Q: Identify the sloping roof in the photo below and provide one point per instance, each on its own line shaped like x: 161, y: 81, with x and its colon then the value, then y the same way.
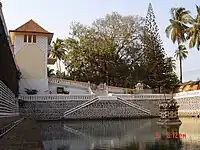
x: 189, y: 86
x: 31, y: 26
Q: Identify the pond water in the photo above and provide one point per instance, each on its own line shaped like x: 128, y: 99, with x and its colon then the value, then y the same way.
x: 137, y: 134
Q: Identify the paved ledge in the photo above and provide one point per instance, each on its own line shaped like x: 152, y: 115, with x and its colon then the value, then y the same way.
x: 25, y: 136
x: 7, y: 120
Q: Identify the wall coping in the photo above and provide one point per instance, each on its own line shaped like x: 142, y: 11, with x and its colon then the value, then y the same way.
x: 195, y: 93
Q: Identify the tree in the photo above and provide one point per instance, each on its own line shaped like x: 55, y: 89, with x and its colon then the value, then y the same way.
x: 171, y: 63
x: 50, y: 72
x: 181, y: 53
x: 60, y: 74
x: 158, y: 68
x: 57, y: 51
x: 105, y: 51
x: 178, y: 27
x: 194, y: 31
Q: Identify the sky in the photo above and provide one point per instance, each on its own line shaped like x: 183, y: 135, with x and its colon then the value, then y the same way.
x: 56, y: 16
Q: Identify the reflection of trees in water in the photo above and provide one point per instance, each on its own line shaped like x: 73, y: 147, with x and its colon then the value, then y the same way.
x: 63, y: 148
x: 133, y: 146
x: 163, y: 143
x: 168, y: 144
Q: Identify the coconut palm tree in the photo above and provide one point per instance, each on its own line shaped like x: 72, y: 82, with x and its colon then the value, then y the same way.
x: 177, y: 29
x: 194, y: 31
x: 57, y: 51
x: 181, y: 53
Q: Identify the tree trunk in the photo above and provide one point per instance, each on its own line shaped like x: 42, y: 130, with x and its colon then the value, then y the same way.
x: 181, y: 70
x: 159, y: 89
x: 60, y: 68
x: 57, y: 65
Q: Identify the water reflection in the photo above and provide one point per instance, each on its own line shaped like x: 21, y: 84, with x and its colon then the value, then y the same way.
x: 138, y: 134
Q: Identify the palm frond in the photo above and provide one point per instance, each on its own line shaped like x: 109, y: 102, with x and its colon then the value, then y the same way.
x: 168, y: 30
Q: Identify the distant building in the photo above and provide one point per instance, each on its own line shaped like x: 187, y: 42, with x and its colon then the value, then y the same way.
x: 31, y: 44
x: 188, y: 86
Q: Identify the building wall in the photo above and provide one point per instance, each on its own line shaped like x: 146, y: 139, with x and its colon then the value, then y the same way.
x: 55, y: 66
x: 8, y: 74
x: 32, y: 61
x: 189, y: 106
x: 8, y: 102
x: 72, y: 89
x: 189, y: 103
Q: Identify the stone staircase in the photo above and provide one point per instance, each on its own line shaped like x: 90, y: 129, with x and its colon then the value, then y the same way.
x: 25, y: 136
x: 8, y: 123
x: 80, y: 106
x: 108, y: 102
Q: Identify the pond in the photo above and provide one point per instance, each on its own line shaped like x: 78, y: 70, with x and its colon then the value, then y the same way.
x: 137, y: 134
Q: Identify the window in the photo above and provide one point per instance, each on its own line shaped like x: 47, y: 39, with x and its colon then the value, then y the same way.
x: 25, y: 38
x: 29, y: 38
x: 34, y: 38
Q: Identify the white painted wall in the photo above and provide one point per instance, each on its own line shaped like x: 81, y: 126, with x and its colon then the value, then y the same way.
x: 39, y: 84
x: 72, y: 89
x: 25, y: 54
x: 55, y: 66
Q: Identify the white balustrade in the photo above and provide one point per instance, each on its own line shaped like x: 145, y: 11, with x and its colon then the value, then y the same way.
x: 55, y: 97
x: 71, y: 82
x: 63, y: 97
x: 116, y: 89
x: 195, y: 93
x: 143, y: 96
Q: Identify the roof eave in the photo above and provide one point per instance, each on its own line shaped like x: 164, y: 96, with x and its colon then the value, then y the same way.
x: 49, y: 34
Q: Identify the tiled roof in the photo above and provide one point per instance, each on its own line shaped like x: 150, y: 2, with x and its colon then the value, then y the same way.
x: 31, y: 26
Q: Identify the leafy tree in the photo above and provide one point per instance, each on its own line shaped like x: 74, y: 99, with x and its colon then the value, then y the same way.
x: 181, y: 53
x: 106, y: 51
x: 50, y: 72
x: 194, y: 31
x: 158, y: 68
x: 117, y: 50
x: 61, y: 74
x: 57, y: 51
x: 171, y: 63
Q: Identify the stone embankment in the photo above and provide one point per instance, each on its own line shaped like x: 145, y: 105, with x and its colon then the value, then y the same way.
x: 55, y: 107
